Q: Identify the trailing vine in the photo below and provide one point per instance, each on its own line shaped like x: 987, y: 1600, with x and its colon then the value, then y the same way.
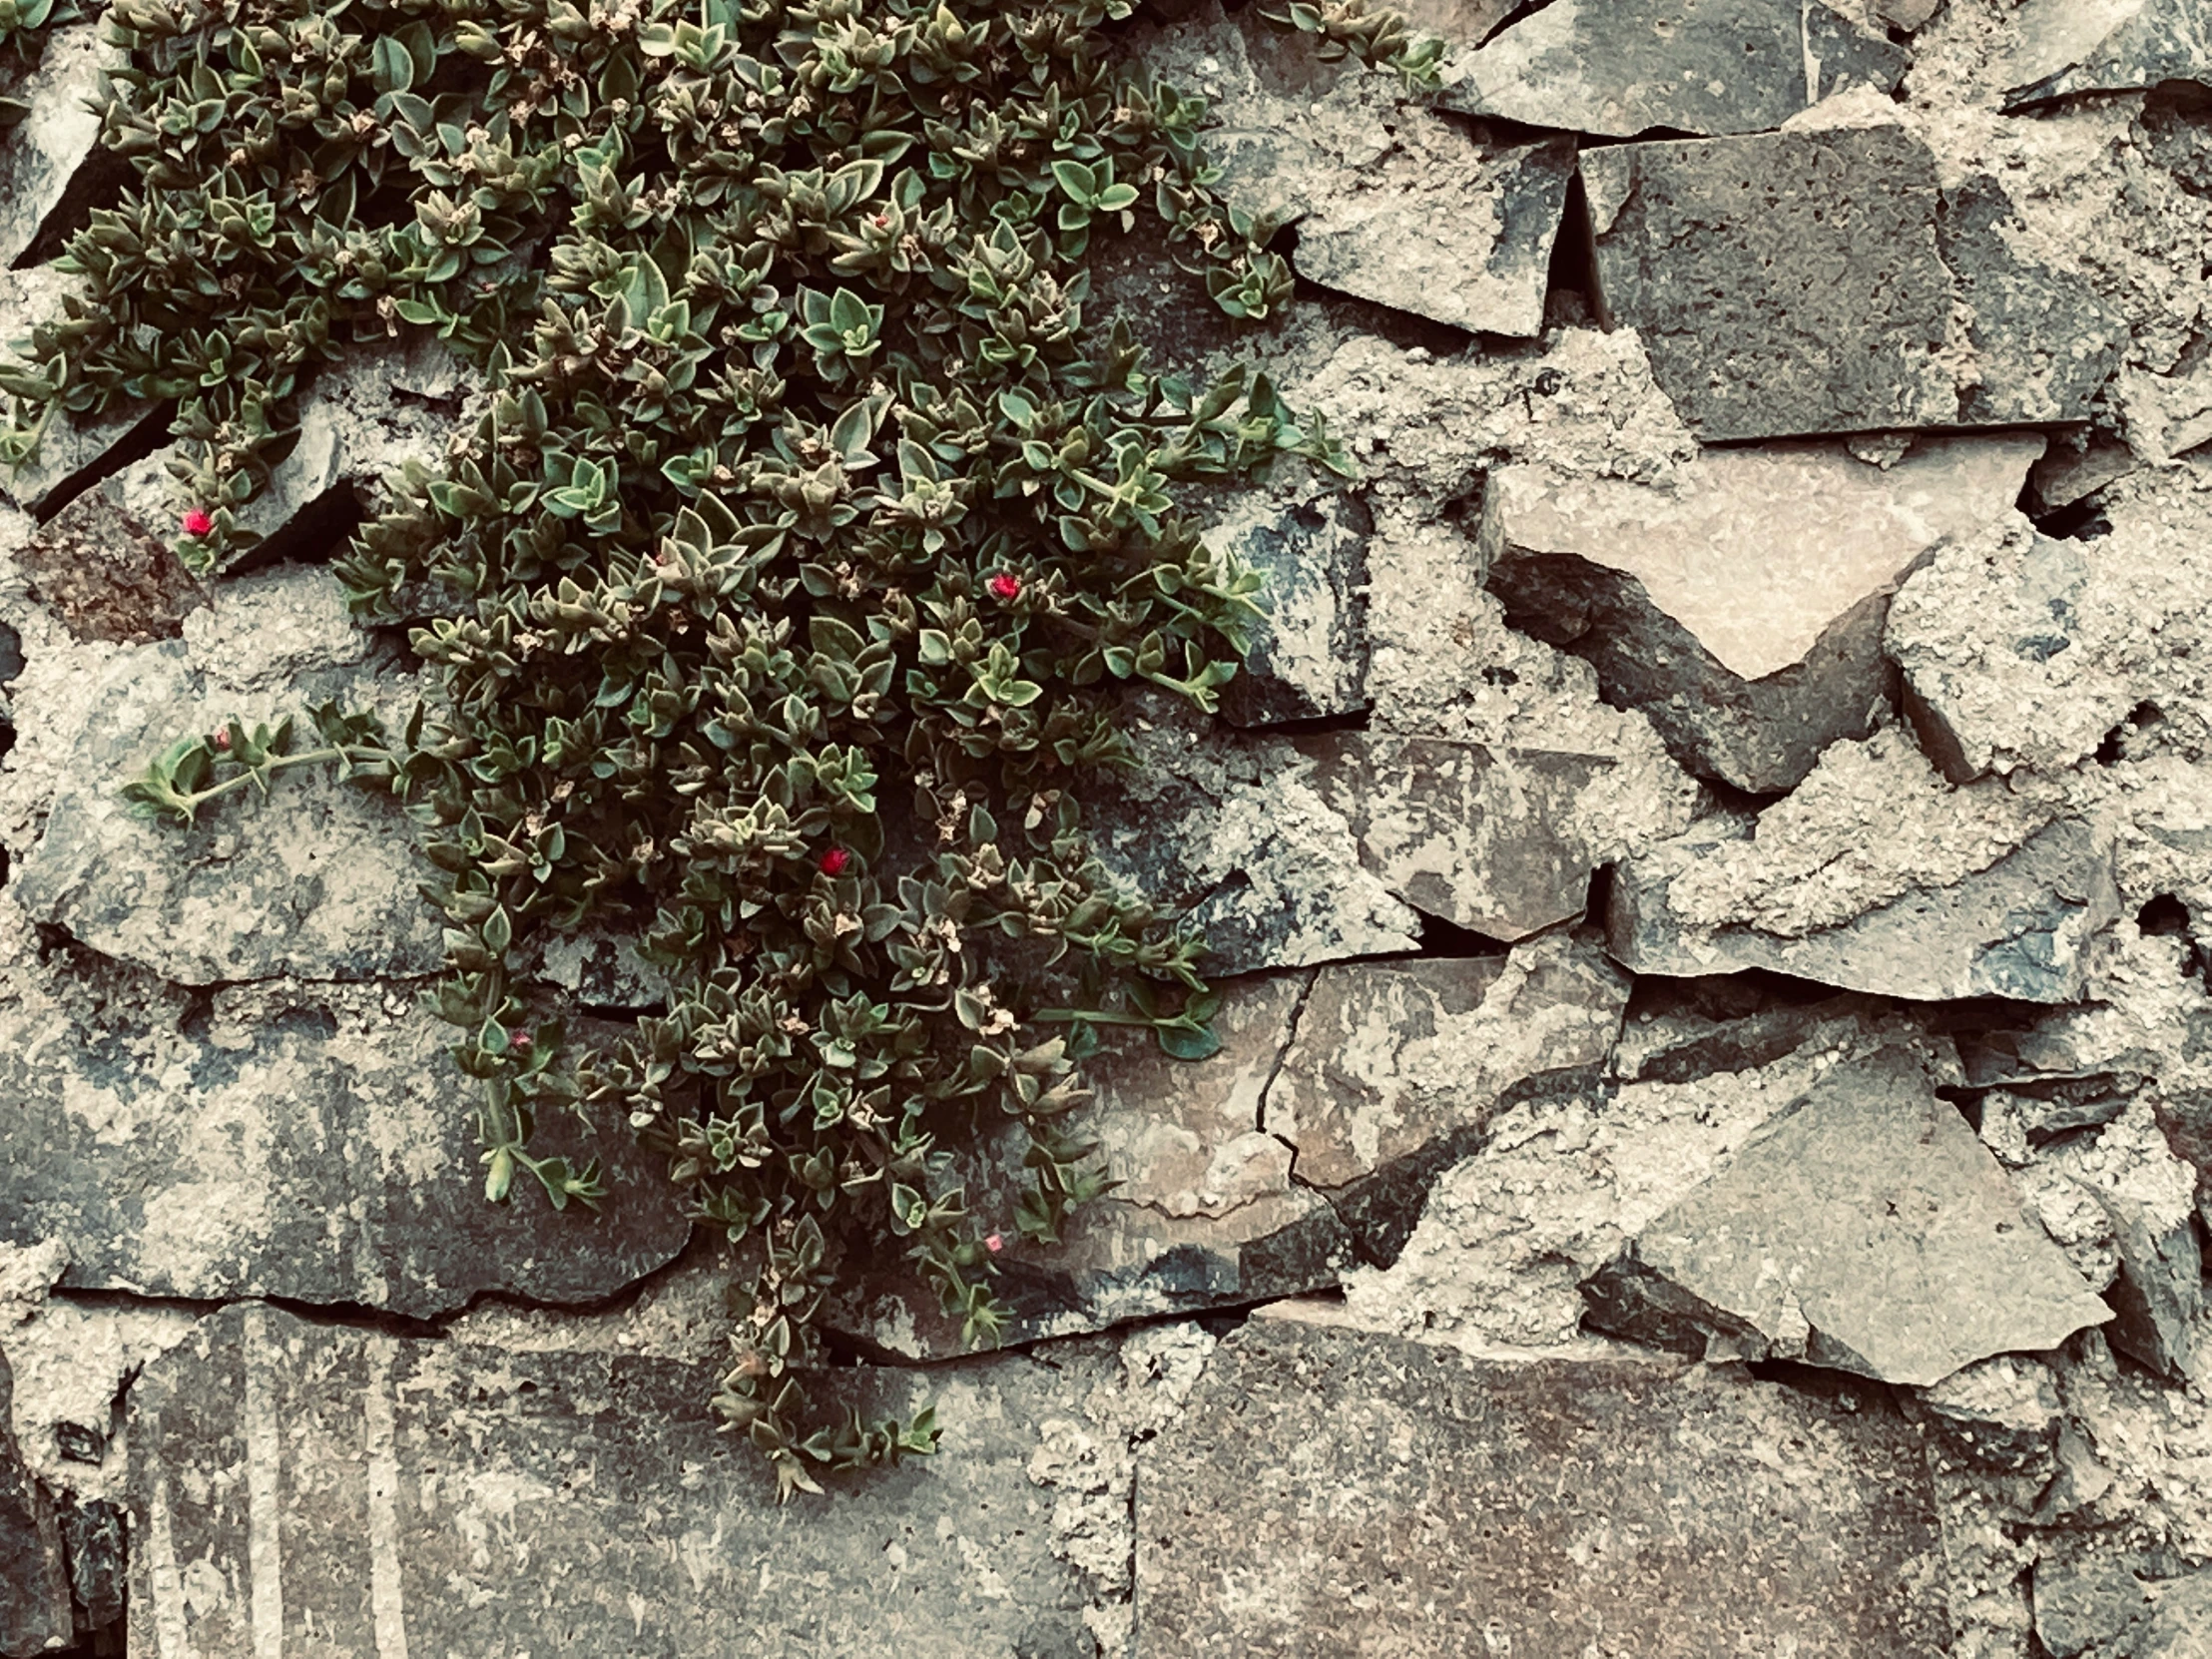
x: 779, y: 599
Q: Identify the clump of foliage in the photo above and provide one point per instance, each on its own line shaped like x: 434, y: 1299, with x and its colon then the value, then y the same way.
x: 779, y: 594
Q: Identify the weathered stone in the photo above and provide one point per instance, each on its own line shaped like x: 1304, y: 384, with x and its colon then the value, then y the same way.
x: 2076, y: 467
x: 1874, y: 876
x: 2064, y: 47
x: 310, y: 1142
x: 603, y: 969
x: 2167, y: 414
x: 2021, y: 650
x: 1396, y: 1072
x: 1821, y: 281
x: 70, y: 445
x: 1623, y: 67
x: 1455, y: 21
x: 108, y: 574
x: 34, y: 1577
x: 321, y: 880
x: 1908, y: 15
x: 353, y: 1493
x: 1453, y: 1506
x: 2181, y: 1621
x: 1485, y: 838
x: 1865, y: 1228
x: 50, y: 162
x: 1309, y: 655
x: 1682, y: 1030
x: 1741, y: 606
x: 94, y: 1539
x: 2003, y: 1412
x: 2092, y: 1601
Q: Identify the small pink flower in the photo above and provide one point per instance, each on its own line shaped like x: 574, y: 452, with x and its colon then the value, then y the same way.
x: 1004, y: 587
x: 521, y: 1041
x: 197, y: 522
x: 221, y: 738
x: 994, y: 1244
x: 835, y: 861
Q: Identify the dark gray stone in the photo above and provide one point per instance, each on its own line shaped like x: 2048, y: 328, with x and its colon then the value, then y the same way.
x: 34, y: 1577
x: 1333, y: 1490
x: 1308, y: 654
x: 1865, y: 1228
x: 2093, y: 1602
x: 346, y: 1493
x: 310, y: 1142
x: 2160, y: 1289
x: 2064, y: 47
x: 1623, y: 67
x: 93, y: 1534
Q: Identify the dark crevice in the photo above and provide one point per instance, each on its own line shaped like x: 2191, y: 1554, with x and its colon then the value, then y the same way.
x: 1451, y: 941
x: 318, y: 533
x: 2140, y: 720
x: 1519, y: 14
x: 2083, y: 520
x: 98, y: 182
x: 1281, y: 1058
x: 1311, y: 726
x: 1570, y: 286
x: 1825, y: 1382
x: 1728, y: 798
x: 133, y: 446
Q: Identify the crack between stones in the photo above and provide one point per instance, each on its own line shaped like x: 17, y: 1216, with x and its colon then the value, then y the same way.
x: 1281, y: 1058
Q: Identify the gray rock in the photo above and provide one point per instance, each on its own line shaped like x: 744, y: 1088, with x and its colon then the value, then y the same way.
x: 108, y: 574
x: 93, y: 1536
x: 1309, y: 655
x: 2181, y: 1621
x: 1741, y: 606
x: 2092, y: 1601
x: 395, y: 1495
x: 1908, y: 15
x: 1396, y: 1072
x: 1453, y: 1506
x: 51, y: 161
x: 2064, y: 47
x: 2003, y: 1412
x: 70, y: 445
x: 310, y: 1142
x: 1457, y: 21
x: 1863, y: 1228
x: 1622, y: 67
x: 34, y: 1576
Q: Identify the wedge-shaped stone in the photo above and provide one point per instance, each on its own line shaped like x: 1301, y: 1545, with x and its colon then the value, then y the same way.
x: 1865, y: 1226
x: 339, y: 1491
x: 307, y: 1142
x: 1623, y: 67
x: 1446, y: 1505
x: 51, y: 159
x: 2064, y: 47
x: 1876, y: 876
x: 1741, y: 607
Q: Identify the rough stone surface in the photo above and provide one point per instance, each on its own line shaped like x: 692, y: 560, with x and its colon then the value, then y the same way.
x: 1309, y: 652
x: 310, y: 1142
x: 1417, y: 1501
x: 1863, y: 1227
x: 50, y: 158
x: 34, y: 1577
x: 355, y: 1493
x: 2064, y: 47
x: 1874, y: 876
x: 1623, y: 67
x: 1741, y: 607
x: 108, y: 574
x: 70, y: 445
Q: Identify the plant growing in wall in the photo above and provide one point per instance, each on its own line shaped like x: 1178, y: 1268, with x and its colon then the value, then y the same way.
x: 778, y: 600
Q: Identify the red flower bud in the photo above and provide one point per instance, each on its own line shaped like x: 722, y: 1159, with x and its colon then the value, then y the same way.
x: 835, y: 861
x: 521, y: 1041
x: 1004, y: 587
x: 994, y: 1244
x: 197, y: 522
x: 221, y: 738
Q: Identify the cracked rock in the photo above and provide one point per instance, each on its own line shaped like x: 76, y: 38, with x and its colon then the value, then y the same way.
x: 1622, y: 67
x: 1560, y: 1507
x: 310, y: 1142
x: 2064, y: 47
x: 1864, y: 1227
x: 50, y: 162
x: 1876, y: 877
x: 34, y: 1575
x: 1741, y: 605
x: 384, y: 1491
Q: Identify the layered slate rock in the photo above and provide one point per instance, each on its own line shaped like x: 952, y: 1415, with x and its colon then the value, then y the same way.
x: 50, y: 161
x: 309, y: 1487
x: 35, y: 1610
x: 1864, y: 1227
x: 1810, y: 281
x: 2064, y: 47
x: 1623, y: 67
x: 1309, y: 651
x: 309, y: 1142
x: 1876, y: 877
x: 1450, y: 1504
x: 1396, y: 1072
x: 320, y: 880
x: 1740, y: 606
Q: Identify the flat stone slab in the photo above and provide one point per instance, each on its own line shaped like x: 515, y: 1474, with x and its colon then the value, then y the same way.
x: 1622, y: 67
x: 310, y: 1142
x: 311, y: 1490
x: 1799, y: 283
x: 1864, y: 1227
x: 1322, y: 1480
x: 1740, y: 606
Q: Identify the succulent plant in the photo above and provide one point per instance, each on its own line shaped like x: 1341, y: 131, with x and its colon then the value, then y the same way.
x: 780, y: 595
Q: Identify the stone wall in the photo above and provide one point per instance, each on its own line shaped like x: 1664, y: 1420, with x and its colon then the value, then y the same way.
x: 1711, y: 871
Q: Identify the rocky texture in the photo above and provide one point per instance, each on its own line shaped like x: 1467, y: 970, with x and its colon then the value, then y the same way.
x: 2064, y: 47
x: 1740, y: 607
x: 1623, y: 67
x: 109, y: 575
x: 1446, y: 1505
x: 50, y: 161
x: 1876, y: 878
x: 320, y: 880
x: 1821, y: 280
x: 1309, y: 652
x: 34, y: 1578
x: 1864, y: 1227
x: 394, y: 1496
x: 70, y: 446
x: 310, y: 1142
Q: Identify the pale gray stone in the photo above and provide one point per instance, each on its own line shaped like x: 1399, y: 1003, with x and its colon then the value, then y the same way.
x: 34, y: 1575
x: 51, y: 157
x: 1741, y: 603
x: 375, y: 1491
x: 310, y: 1142
x: 1622, y: 67
x: 2064, y: 47
x: 1865, y: 1228
x: 1445, y: 1504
